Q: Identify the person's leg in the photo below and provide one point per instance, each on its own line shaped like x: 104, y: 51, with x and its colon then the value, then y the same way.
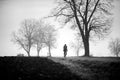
x: 65, y: 53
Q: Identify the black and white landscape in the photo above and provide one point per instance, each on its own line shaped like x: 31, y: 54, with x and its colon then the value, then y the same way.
x: 60, y: 39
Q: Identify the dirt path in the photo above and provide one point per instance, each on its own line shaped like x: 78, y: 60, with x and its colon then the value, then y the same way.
x: 75, y: 68
x: 92, y: 68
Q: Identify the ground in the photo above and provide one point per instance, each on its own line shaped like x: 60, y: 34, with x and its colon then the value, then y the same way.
x: 93, y: 68
x: 70, y: 68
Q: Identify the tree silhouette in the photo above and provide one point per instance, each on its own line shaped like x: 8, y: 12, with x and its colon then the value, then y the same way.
x: 39, y: 35
x: 49, y: 37
x: 24, y: 37
x: 91, y: 17
x: 114, y: 46
x: 77, y: 44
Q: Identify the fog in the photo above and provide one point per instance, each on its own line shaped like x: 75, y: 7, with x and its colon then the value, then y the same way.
x: 12, y: 12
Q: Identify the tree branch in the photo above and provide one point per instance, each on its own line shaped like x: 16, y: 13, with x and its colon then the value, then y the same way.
x: 93, y: 11
x: 77, y: 20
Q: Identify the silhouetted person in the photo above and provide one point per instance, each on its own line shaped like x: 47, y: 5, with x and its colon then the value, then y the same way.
x: 65, y: 50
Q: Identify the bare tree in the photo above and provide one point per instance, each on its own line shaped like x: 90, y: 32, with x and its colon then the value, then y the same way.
x: 49, y: 37
x: 39, y: 36
x: 114, y: 46
x: 77, y: 44
x: 91, y: 17
x: 24, y: 37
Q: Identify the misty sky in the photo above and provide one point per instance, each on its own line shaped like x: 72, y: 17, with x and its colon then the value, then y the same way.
x: 13, y: 12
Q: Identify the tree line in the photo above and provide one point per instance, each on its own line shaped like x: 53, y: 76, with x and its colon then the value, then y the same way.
x: 91, y: 18
x: 35, y: 33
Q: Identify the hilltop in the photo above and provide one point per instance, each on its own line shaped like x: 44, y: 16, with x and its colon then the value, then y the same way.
x: 71, y: 68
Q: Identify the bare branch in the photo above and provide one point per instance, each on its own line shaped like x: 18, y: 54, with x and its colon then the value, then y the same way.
x: 93, y: 11
x: 24, y: 38
x: 86, y: 14
x: 114, y: 46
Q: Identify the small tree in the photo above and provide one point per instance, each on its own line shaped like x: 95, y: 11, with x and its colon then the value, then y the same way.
x: 49, y: 37
x: 77, y: 44
x: 39, y: 36
x: 24, y: 37
x: 114, y: 46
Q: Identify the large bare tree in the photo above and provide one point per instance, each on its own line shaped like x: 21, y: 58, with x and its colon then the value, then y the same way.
x: 24, y: 37
x: 114, y: 46
x: 91, y: 17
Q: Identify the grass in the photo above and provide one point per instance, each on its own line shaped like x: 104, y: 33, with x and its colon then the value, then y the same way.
x: 93, y: 68
x: 100, y: 68
x: 71, y: 68
x: 33, y: 68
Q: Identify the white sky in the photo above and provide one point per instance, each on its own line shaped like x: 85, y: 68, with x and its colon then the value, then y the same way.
x: 12, y: 12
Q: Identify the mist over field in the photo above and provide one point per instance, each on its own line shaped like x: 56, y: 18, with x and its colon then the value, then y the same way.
x: 60, y: 39
x: 13, y: 12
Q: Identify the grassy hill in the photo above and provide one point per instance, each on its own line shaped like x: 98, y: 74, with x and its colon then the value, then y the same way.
x: 93, y: 68
x: 33, y: 68
x: 72, y: 68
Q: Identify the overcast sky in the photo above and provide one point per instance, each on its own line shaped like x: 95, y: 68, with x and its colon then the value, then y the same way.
x: 12, y: 12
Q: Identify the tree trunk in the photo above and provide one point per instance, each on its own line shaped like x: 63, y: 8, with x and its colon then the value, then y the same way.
x: 77, y: 52
x: 117, y: 55
x: 38, y: 52
x: 86, y: 47
x: 49, y: 53
x: 28, y: 53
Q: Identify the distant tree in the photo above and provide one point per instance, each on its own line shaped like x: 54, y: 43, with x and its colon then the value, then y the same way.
x: 91, y: 17
x: 77, y: 44
x: 39, y: 36
x: 114, y: 46
x: 24, y: 36
x: 49, y: 37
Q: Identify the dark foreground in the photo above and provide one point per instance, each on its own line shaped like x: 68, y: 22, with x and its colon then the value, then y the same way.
x: 40, y: 68
x: 33, y: 68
